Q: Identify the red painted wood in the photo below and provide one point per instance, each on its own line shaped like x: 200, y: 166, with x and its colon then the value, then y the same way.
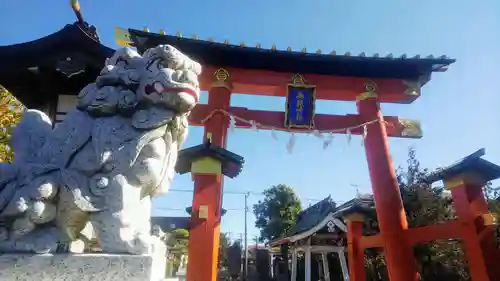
x: 268, y: 83
x: 478, y: 239
x: 390, y: 212
x: 355, y: 251
x: 204, y: 236
x: 277, y: 119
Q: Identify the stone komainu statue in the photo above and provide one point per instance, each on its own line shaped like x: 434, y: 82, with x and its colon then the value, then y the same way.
x: 103, y: 164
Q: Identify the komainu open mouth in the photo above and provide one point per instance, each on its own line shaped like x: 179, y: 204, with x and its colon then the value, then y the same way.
x: 158, y: 88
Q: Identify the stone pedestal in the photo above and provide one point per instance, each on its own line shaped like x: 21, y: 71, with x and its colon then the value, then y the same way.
x: 81, y: 267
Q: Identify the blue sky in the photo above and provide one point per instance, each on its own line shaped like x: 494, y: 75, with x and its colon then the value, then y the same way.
x: 458, y: 109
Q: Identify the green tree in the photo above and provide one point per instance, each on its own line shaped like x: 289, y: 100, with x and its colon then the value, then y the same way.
x: 10, y: 114
x: 277, y: 213
x: 223, y: 246
x: 177, y: 242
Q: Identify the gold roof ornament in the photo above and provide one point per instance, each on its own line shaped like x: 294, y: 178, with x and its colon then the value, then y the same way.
x: 195, y: 37
x: 273, y: 48
x: 411, y: 128
x: 318, y: 51
x: 226, y: 42
x: 371, y: 86
x: 179, y: 34
x: 221, y: 79
x: 122, y: 37
x: 258, y: 46
x: 145, y: 29
x: 242, y: 44
x: 289, y: 49
x: 298, y: 79
x: 221, y: 74
x: 163, y: 32
x: 303, y: 50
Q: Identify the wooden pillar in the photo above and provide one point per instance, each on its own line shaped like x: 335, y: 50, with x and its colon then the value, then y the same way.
x: 294, y: 265
x: 478, y: 232
x: 355, y: 252
x: 307, y: 259
x: 399, y: 256
x: 343, y: 265
x: 204, y: 233
x: 326, y: 267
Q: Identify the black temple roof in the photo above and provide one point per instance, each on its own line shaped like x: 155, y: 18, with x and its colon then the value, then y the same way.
x: 72, y: 39
x: 232, y: 163
x: 225, y: 55
x: 361, y: 204
x: 312, y: 216
x: 59, y: 63
x: 472, y: 163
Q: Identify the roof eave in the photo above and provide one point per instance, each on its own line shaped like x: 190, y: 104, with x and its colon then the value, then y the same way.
x: 311, y: 231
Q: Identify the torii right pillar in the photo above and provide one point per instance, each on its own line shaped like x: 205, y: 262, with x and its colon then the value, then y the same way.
x: 392, y: 221
x: 477, y: 223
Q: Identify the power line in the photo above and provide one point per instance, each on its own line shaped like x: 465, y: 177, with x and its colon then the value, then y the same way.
x: 244, y: 193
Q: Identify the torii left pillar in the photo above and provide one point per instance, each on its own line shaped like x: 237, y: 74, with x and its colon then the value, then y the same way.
x: 206, y: 214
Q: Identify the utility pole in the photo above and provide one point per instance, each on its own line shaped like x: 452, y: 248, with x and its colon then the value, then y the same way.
x: 245, y: 265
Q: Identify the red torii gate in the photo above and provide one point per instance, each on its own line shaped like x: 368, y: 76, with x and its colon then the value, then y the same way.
x: 385, y: 188
x: 230, y: 69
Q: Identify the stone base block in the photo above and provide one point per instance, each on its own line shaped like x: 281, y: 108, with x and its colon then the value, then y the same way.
x: 81, y: 267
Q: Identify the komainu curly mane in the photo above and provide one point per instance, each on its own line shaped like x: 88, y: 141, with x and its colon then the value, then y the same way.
x: 103, y: 164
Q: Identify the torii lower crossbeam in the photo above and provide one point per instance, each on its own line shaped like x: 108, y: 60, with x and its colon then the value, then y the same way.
x: 395, y: 126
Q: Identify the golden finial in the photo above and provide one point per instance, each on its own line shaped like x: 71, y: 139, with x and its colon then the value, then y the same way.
x: 162, y: 32
x: 242, y: 44
x: 211, y: 39
x: 304, y: 50
x: 298, y: 79
x: 273, y: 48
x: 145, y: 29
x: 288, y: 49
x: 226, y: 42
x: 179, y: 34
x: 371, y: 87
x: 195, y: 37
x: 347, y: 54
x: 318, y: 51
x: 258, y: 46
x: 333, y: 53
x: 221, y: 74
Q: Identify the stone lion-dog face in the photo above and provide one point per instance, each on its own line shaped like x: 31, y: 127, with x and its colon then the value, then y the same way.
x: 163, y: 77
